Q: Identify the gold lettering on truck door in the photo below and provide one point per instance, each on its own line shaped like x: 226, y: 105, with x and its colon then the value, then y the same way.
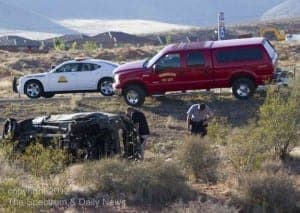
x: 168, y: 74
x: 62, y: 79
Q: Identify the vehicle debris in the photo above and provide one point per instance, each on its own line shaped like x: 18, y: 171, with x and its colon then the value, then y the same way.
x: 89, y: 135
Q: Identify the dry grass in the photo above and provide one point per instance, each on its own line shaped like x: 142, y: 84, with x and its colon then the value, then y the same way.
x: 201, y: 207
x: 198, y: 158
x: 271, y: 190
x: 166, y: 118
x: 157, y: 183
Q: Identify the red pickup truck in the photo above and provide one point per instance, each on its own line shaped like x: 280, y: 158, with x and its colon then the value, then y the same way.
x: 242, y: 64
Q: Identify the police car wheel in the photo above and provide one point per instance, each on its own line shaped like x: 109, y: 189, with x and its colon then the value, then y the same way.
x: 33, y: 89
x: 134, y: 95
x: 105, y: 87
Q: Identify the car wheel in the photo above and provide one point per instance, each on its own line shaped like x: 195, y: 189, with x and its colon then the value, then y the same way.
x: 134, y: 95
x: 243, y: 88
x: 105, y: 87
x: 33, y: 89
x: 48, y: 94
x: 9, y: 128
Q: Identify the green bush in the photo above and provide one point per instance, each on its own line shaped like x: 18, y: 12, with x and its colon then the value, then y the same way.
x: 279, y: 120
x: 74, y: 45
x: 43, y: 161
x: 246, y: 149
x: 90, y: 46
x: 15, y: 198
x: 155, y: 183
x: 198, y: 158
x: 218, y: 130
x: 267, y: 191
x: 59, y: 44
x: 272, y: 136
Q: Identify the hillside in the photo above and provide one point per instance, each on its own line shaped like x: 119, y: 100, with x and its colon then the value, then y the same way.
x: 287, y: 9
x: 201, y: 13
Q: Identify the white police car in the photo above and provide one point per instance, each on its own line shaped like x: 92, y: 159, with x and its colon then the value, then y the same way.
x: 78, y: 75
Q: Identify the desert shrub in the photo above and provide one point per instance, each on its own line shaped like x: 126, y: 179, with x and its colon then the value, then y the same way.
x: 268, y: 191
x: 43, y: 161
x: 75, y: 102
x: 218, y: 130
x: 201, y: 207
x: 168, y: 38
x: 273, y: 135
x: 155, y: 183
x: 246, y: 150
x: 15, y: 198
x: 8, y: 170
x: 198, y: 158
x: 6, y: 148
x: 90, y: 46
x: 279, y: 120
x: 74, y: 45
x: 59, y: 44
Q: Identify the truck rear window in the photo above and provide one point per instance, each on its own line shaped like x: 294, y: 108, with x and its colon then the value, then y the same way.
x: 249, y: 54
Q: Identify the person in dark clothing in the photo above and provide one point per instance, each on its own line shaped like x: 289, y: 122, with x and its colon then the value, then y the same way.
x: 140, y: 122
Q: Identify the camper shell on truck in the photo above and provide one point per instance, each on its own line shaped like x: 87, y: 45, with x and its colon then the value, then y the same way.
x: 240, y: 64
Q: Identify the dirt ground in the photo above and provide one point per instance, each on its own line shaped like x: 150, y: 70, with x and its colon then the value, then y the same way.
x: 166, y: 115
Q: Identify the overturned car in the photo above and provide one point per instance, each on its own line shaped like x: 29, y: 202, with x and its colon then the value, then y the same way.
x: 89, y: 135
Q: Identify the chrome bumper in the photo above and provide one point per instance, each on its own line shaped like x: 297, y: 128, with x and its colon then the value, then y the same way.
x: 282, y: 77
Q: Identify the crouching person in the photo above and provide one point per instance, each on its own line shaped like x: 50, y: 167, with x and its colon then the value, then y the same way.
x: 197, y: 119
x: 140, y: 122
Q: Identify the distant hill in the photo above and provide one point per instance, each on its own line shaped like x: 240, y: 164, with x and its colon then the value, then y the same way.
x: 287, y: 9
x: 92, y: 17
x: 188, y: 12
x: 11, y: 41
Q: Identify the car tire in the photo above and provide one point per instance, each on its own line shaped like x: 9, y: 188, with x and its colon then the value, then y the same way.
x: 134, y: 95
x: 243, y: 88
x: 105, y: 87
x: 9, y: 129
x: 33, y: 89
x: 48, y: 94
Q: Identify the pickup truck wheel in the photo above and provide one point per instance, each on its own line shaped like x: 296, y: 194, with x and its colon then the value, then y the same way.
x: 33, y: 89
x: 134, y: 96
x: 105, y: 87
x: 48, y: 94
x: 243, y: 88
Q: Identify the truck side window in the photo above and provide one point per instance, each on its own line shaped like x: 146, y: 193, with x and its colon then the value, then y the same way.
x: 249, y: 54
x: 195, y: 59
x: 169, y: 61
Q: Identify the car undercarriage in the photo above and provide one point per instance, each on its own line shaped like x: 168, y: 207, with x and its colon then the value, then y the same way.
x: 90, y: 135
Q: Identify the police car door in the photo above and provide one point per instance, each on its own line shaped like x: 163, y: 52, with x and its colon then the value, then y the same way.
x: 87, y: 78
x: 63, y: 78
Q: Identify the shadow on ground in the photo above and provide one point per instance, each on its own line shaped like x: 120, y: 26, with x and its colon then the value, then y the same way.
x: 238, y: 112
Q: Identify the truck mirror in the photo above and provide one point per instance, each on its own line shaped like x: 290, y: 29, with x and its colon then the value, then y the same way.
x: 53, y: 66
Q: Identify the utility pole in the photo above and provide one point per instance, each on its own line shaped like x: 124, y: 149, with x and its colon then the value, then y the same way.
x: 221, y: 26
